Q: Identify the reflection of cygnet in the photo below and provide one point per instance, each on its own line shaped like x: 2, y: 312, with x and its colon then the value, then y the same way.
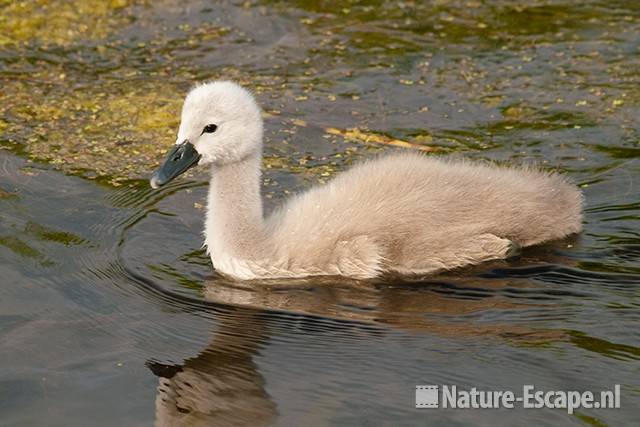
x: 402, y: 214
x: 219, y: 387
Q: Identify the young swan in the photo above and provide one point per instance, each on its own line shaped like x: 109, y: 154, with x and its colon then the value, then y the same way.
x: 405, y: 213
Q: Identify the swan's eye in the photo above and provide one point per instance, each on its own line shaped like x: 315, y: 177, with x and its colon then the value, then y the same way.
x: 209, y: 128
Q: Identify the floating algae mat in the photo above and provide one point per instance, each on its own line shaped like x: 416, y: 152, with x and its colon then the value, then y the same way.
x: 96, y: 87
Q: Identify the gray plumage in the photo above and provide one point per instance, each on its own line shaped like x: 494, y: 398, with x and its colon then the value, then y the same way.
x: 405, y: 214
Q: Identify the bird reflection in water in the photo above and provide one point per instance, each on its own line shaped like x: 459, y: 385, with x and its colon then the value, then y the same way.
x: 223, y: 385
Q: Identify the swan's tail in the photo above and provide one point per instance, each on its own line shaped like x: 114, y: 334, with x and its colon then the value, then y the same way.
x: 556, y: 213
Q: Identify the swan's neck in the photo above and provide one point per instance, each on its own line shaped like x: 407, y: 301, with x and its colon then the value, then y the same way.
x: 234, y: 224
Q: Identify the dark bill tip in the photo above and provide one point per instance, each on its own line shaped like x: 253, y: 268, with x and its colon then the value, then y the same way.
x: 181, y: 157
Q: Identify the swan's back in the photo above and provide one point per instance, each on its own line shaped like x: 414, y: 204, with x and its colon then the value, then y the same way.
x: 410, y: 202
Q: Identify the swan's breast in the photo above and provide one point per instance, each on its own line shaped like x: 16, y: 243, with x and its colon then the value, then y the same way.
x: 236, y: 267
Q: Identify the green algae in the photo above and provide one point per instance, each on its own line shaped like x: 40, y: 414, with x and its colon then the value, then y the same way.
x: 96, y: 89
x: 167, y: 271
x: 604, y: 347
x: 61, y: 22
x: 589, y: 420
x: 47, y: 234
x: 7, y: 195
x: 119, y: 132
x: 24, y: 250
x: 619, y: 152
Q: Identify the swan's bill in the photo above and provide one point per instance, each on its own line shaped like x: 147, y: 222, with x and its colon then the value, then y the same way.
x: 181, y: 157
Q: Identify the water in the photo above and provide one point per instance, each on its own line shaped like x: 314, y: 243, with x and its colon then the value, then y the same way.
x: 110, y: 311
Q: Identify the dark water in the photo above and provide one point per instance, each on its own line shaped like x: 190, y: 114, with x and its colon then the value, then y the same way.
x: 110, y: 313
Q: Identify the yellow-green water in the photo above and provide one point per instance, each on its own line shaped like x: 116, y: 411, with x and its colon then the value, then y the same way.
x: 105, y: 288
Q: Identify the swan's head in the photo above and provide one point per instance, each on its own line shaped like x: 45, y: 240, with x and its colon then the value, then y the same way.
x: 221, y: 124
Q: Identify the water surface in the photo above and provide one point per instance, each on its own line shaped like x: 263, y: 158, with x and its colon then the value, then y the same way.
x: 110, y: 312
